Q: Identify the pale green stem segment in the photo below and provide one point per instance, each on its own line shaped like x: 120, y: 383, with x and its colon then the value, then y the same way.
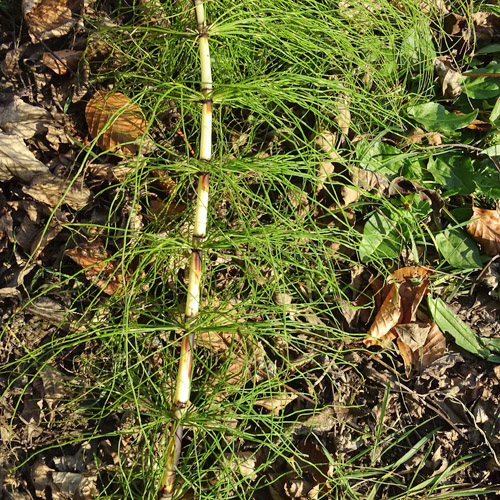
x: 183, y: 383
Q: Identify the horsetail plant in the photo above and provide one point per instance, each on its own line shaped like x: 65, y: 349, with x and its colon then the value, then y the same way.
x: 183, y: 383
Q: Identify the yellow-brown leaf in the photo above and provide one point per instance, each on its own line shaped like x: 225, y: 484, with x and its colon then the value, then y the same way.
x: 485, y: 229
x: 115, y: 121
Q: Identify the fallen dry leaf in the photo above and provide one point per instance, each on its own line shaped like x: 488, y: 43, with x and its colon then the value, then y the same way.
x: 237, y: 354
x: 17, y: 161
x: 456, y: 25
x: 420, y: 344
x: 366, y: 180
x: 98, y: 268
x: 50, y: 18
x: 314, y: 466
x: 400, y: 303
x: 411, y: 293
x: 115, y: 121
x: 22, y: 119
x: 485, y: 229
x: 235, y: 347
x: 327, y: 143
x: 60, y: 61
x: 486, y: 26
x: 417, y: 135
x: 433, y: 6
x: 276, y: 403
x: 387, y: 317
x: 242, y: 464
x: 448, y: 77
x: 434, y: 348
x: 413, y: 335
x: 10, y: 65
x: 52, y: 190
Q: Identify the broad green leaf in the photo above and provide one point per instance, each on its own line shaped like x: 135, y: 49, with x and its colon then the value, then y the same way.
x: 492, y: 150
x: 381, y: 239
x: 482, y: 87
x: 493, y: 344
x: 495, y: 114
x: 454, y: 172
x: 489, y: 49
x: 458, y: 249
x: 486, y: 178
x: 380, y: 157
x: 434, y: 117
x: 450, y: 323
x: 417, y: 50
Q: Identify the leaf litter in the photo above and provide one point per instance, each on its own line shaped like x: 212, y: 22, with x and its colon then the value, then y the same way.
x: 47, y: 193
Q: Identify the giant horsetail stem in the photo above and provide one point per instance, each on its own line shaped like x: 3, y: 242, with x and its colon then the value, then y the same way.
x: 183, y: 383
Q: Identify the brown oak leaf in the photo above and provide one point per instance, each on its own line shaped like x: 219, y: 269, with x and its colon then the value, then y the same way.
x: 485, y: 229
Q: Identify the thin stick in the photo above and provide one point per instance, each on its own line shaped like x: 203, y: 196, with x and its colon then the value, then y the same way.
x: 183, y: 384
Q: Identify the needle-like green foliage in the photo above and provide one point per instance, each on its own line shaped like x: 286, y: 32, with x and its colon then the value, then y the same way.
x: 279, y: 251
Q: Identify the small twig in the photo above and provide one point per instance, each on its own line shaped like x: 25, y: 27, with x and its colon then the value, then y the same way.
x: 482, y: 273
x: 494, y: 75
x: 180, y: 133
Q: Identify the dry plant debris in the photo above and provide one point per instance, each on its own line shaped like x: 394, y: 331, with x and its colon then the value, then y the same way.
x: 420, y: 343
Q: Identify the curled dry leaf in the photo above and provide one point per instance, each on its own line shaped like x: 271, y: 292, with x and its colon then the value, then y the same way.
x: 115, y: 121
x: 10, y: 65
x: 400, y: 304
x: 237, y: 348
x: 60, y: 61
x: 50, y: 18
x: 22, y: 119
x: 432, y: 340
x: 242, y: 464
x: 364, y: 179
x: 420, y: 343
x: 417, y: 135
x: 17, y: 161
x: 433, y: 6
x: 485, y: 229
x: 372, y: 181
x: 448, y: 77
x: 387, y: 317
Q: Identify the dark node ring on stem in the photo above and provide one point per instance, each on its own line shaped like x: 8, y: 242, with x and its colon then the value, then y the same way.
x: 207, y: 101
x: 203, y: 34
x: 180, y: 405
x: 197, y: 237
x: 189, y: 317
x: 206, y: 89
x: 205, y: 179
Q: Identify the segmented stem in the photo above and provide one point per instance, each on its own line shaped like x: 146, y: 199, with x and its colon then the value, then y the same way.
x: 183, y: 383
